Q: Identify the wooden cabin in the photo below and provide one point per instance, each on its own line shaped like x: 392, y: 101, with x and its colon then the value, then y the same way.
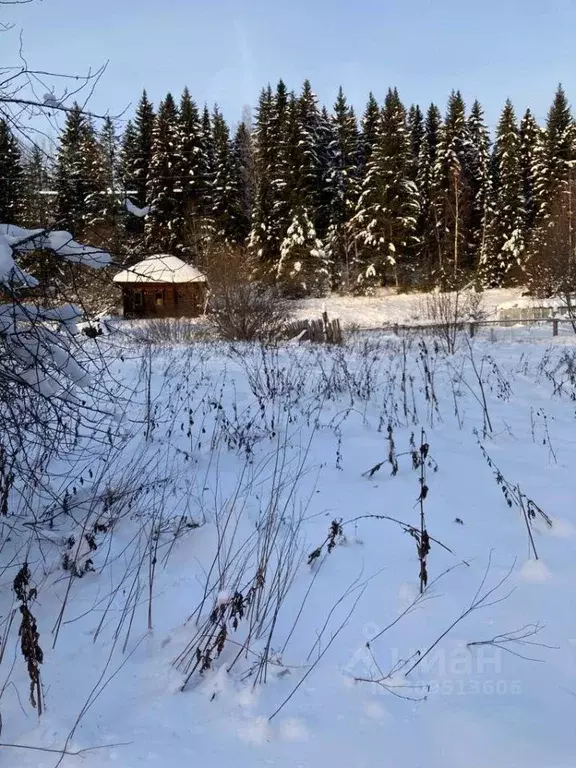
x: 162, y: 286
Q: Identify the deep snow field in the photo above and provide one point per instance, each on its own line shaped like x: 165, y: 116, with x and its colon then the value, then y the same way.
x: 241, y: 538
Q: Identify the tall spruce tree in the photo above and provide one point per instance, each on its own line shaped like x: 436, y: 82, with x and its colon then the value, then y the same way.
x: 242, y: 185
x: 388, y: 207
x: 343, y: 184
x: 273, y: 157
x: 38, y: 203
x: 303, y: 265
x: 142, y: 159
x: 417, y: 131
x: 260, y: 239
x: 223, y: 184
x: 505, y: 252
x: 478, y: 165
x: 532, y: 160
x: 560, y: 141
x: 163, y: 189
x: 453, y: 195
x: 430, y: 197
x: 11, y: 181
x: 369, y: 136
x: 191, y: 159
x: 79, y: 181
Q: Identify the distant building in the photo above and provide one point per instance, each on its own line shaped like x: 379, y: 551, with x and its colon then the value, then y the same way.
x: 162, y: 286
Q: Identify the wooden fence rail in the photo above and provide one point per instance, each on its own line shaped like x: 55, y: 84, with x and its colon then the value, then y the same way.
x: 472, y: 325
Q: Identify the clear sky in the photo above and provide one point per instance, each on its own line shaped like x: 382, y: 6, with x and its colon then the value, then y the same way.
x: 225, y: 51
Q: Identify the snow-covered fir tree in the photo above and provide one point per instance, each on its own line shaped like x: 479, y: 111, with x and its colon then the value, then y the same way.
x: 223, y: 184
x: 79, y: 180
x: 453, y: 195
x: 369, y: 135
x: 11, y: 181
x: 560, y: 141
x: 417, y: 131
x: 164, y: 187
x: 38, y: 198
x: 303, y: 265
x: 343, y: 185
x: 533, y: 166
x: 479, y: 165
x: 507, y: 238
x: 430, y: 197
x: 264, y: 190
x: 242, y: 185
x: 190, y: 152
x: 554, y: 185
x: 271, y: 217
x: 387, y: 211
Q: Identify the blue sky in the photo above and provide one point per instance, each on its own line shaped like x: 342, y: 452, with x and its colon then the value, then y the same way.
x: 225, y: 51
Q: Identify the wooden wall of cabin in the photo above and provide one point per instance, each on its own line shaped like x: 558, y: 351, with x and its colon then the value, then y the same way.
x: 150, y: 300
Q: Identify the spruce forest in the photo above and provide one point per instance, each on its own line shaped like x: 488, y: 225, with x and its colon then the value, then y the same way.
x: 322, y: 199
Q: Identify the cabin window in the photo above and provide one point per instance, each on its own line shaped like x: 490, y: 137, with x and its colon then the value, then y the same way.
x: 138, y: 299
x: 160, y: 299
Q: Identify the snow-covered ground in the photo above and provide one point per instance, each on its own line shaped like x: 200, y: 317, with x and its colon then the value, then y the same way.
x: 258, y: 509
x: 389, y: 307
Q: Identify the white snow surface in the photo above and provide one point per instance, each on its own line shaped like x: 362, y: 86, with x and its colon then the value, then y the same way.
x: 389, y: 307
x: 214, y: 433
x: 162, y: 268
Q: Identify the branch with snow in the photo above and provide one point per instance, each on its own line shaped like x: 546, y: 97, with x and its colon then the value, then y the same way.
x: 135, y: 211
x: 36, y: 340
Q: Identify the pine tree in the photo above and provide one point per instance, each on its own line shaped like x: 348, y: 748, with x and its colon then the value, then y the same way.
x: 105, y: 202
x: 222, y: 187
x: 264, y: 193
x: 38, y: 204
x: 430, y: 198
x: 191, y: 157
x: 560, y: 143
x: 79, y: 182
x: 326, y: 159
x: 478, y: 165
x: 273, y: 155
x: 507, y: 235
x: 242, y: 188
x: 343, y: 188
x: 554, y: 183
x: 417, y: 132
x: 453, y: 195
x: 388, y: 207
x: 163, y: 225
x: 11, y: 181
x: 303, y: 265
x: 533, y: 168
x: 370, y: 121
x: 144, y: 122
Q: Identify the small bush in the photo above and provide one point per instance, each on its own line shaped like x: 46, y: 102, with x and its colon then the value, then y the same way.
x: 240, y: 307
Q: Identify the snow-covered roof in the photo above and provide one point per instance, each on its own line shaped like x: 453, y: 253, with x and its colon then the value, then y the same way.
x: 160, y: 269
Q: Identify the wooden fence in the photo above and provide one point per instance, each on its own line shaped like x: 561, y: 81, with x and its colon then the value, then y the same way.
x: 323, y: 331
x: 471, y: 326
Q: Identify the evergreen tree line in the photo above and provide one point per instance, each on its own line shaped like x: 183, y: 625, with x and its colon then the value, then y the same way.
x: 323, y: 200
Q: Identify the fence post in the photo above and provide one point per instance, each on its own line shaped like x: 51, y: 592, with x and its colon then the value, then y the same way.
x: 554, y: 327
x: 472, y: 330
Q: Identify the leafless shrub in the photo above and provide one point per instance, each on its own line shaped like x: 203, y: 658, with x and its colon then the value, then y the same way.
x: 240, y: 307
x: 169, y: 331
x: 447, y: 311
